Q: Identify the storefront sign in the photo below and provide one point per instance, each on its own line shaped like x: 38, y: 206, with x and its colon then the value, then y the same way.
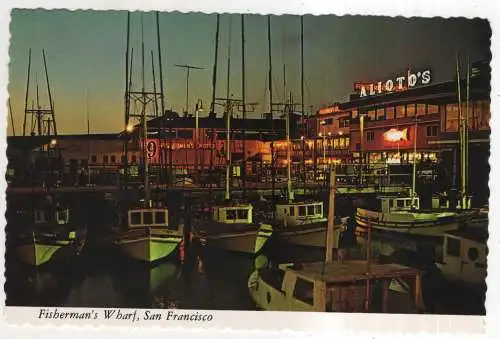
x: 394, y: 135
x: 400, y: 83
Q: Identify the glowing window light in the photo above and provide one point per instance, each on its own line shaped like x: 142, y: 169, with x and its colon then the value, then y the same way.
x: 396, y: 135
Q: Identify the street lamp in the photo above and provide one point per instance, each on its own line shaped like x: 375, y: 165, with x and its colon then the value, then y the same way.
x: 413, y: 193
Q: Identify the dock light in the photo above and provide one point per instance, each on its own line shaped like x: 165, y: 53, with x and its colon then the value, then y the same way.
x: 302, y: 138
x: 341, y: 133
x: 320, y: 134
x: 322, y: 122
x: 329, y: 134
x: 130, y: 128
x: 53, y: 142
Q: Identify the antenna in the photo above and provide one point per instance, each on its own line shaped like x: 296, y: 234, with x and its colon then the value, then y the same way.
x: 188, y: 69
x: 243, y: 102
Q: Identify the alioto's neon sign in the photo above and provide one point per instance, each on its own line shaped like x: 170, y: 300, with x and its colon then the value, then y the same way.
x: 400, y: 83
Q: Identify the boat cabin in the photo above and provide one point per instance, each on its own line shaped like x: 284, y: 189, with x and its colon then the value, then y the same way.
x: 464, y: 255
x: 233, y: 214
x: 338, y: 287
x: 148, y: 217
x: 59, y: 217
x: 296, y: 213
x: 397, y: 203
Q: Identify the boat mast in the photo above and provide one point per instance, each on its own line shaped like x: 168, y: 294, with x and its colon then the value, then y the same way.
x: 144, y: 121
x: 466, y: 139
x: 228, y: 148
x: 288, y: 148
x: 270, y: 88
x: 460, y: 132
x: 244, y: 113
x: 303, y: 129
x: 214, y: 86
x: 228, y: 116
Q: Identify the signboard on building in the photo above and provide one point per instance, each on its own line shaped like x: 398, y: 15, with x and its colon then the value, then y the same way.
x: 395, y: 135
x: 397, y: 84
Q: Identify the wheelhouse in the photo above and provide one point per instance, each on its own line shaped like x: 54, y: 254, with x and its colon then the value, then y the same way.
x: 233, y: 214
x: 148, y: 217
x: 392, y: 204
x: 299, y: 210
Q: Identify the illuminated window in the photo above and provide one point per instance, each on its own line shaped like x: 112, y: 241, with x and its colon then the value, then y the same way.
x: 380, y: 114
x: 371, y: 115
x: 336, y: 143
x: 451, y: 117
x: 410, y: 110
x: 420, y: 109
x: 354, y: 114
x: 400, y: 111
x: 342, y: 143
x: 389, y: 113
x: 344, y: 122
x: 347, y: 142
x: 432, y: 109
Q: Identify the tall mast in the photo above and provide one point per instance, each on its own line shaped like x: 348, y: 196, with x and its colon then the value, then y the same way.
x: 270, y: 88
x: 154, y: 83
x: 243, y: 172
x: 160, y: 65
x: 128, y: 79
x: 228, y: 83
x: 460, y: 130
x: 228, y: 148
x: 466, y: 137
x: 303, y: 129
x: 27, y: 91
x: 144, y: 120
x: 288, y: 150
x: 214, y: 73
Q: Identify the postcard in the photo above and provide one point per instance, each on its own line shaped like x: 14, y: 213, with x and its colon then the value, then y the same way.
x: 246, y: 170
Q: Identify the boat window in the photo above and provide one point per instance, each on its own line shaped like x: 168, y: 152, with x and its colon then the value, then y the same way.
x: 273, y: 277
x: 304, y: 291
x: 473, y: 254
x: 310, y: 210
x: 302, y: 211
x: 242, y: 214
x: 230, y: 214
x: 135, y: 218
x: 160, y: 217
x: 148, y: 218
x: 453, y: 247
x: 292, y: 210
x: 318, y: 209
x: 400, y: 203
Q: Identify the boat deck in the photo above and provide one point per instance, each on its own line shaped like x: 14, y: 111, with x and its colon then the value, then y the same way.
x: 351, y: 271
x: 213, y: 227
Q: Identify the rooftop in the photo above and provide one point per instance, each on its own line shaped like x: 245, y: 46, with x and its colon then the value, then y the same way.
x: 350, y: 271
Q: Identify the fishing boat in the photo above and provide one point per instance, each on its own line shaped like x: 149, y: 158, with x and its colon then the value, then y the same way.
x: 52, y: 237
x: 336, y: 287
x: 148, y: 235
x: 464, y: 255
x: 231, y: 227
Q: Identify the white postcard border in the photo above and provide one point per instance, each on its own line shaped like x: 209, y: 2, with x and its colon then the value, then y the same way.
x: 299, y: 321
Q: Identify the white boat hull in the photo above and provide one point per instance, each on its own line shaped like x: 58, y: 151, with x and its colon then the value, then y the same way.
x: 426, y: 224
x: 149, y: 248
x: 250, y: 242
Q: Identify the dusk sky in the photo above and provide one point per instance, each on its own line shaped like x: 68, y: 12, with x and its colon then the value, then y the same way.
x: 85, y: 52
